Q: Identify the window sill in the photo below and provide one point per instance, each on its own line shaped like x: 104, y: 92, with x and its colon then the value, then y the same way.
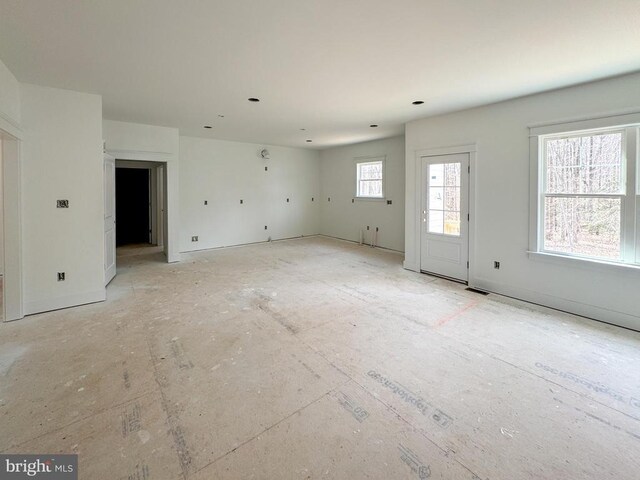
x: 585, y: 263
x: 370, y: 199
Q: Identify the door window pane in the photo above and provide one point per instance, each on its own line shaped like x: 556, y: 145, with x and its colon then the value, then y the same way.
x: 436, y: 198
x: 436, y: 175
x: 452, y: 223
x: 452, y: 174
x: 444, y: 181
x: 452, y: 199
x: 436, y: 221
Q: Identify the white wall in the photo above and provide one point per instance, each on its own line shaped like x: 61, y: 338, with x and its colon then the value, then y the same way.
x: 223, y: 173
x: 134, y: 141
x: 9, y: 100
x: 343, y: 218
x: 500, y: 132
x: 62, y: 159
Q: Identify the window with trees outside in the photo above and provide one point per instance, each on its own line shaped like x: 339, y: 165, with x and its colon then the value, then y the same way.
x: 588, y: 203
x: 370, y: 181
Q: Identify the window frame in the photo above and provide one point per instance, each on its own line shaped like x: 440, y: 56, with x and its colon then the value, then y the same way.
x: 629, y: 125
x: 370, y: 160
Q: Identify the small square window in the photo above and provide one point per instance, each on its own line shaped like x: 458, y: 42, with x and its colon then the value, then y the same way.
x: 370, y: 179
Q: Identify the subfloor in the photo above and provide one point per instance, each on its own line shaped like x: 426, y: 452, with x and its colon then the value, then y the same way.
x: 316, y: 358
x: 138, y: 249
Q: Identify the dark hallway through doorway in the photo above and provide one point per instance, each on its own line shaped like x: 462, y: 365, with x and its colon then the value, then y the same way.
x: 132, y: 206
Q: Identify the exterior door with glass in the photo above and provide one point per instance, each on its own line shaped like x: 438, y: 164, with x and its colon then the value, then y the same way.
x: 444, y: 248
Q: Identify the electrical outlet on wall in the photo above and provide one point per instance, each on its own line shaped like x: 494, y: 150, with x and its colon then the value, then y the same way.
x: 62, y: 203
x: 194, y: 238
x: 61, y: 276
x: 496, y: 265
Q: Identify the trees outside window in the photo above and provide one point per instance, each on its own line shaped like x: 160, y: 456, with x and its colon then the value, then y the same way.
x: 588, y: 196
x: 370, y: 179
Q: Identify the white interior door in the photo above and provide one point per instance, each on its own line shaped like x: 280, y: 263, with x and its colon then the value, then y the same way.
x: 109, y: 218
x: 444, y: 248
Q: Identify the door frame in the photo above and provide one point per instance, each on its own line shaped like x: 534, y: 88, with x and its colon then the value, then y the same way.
x: 471, y: 150
x: 12, y: 218
x: 160, y: 204
x: 161, y: 161
x: 170, y: 198
x: 463, y: 237
x: 109, y: 159
x: 155, y: 212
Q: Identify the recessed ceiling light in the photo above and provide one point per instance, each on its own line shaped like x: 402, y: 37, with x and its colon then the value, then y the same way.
x: 208, y: 126
x: 309, y: 141
x: 373, y: 126
x: 253, y: 99
x: 418, y: 102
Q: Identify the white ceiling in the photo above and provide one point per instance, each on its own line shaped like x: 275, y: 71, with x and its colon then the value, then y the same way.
x: 330, y: 66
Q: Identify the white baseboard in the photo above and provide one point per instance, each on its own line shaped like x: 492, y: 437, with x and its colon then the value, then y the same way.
x: 57, y: 303
x: 594, y: 312
x: 236, y: 245
x: 393, y: 250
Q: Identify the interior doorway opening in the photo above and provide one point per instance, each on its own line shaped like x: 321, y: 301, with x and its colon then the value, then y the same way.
x: 133, y: 207
x: 139, y: 205
x: 135, y: 210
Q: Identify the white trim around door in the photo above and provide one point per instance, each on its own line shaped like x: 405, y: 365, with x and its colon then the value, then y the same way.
x: 471, y: 150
